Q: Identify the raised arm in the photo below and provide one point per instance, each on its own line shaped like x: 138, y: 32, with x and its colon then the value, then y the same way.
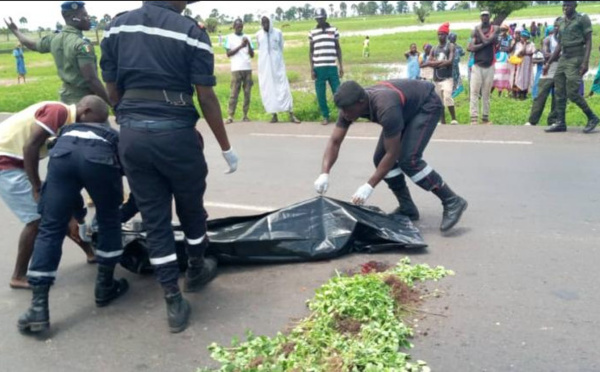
x: 27, y: 42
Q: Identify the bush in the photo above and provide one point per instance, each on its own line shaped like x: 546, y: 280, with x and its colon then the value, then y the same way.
x: 211, y: 25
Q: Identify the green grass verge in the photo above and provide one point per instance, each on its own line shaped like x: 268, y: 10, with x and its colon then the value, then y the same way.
x: 386, y: 52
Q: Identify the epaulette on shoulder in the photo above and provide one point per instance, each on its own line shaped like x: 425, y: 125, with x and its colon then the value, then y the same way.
x: 120, y: 14
x: 198, y: 24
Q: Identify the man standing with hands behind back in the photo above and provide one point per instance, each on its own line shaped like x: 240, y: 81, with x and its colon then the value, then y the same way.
x: 240, y: 51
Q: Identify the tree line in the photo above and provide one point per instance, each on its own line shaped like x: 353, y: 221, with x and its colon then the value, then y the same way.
x: 500, y: 10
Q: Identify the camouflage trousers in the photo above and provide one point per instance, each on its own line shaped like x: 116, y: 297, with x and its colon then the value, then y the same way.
x: 240, y: 79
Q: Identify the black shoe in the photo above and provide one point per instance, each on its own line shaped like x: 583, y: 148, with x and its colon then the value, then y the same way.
x: 408, y: 210
x: 591, y: 125
x: 37, y: 317
x: 178, y: 312
x: 556, y: 128
x: 107, y: 288
x: 402, y: 194
x: 199, y: 273
x: 453, y: 210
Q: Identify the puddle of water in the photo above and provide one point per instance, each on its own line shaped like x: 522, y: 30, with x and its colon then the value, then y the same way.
x: 392, y: 71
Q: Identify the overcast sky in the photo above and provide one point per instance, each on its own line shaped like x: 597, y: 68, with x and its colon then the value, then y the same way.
x: 47, y: 13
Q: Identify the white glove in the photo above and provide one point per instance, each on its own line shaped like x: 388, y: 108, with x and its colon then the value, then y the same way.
x: 232, y: 160
x: 362, y: 194
x: 322, y: 183
x: 83, y: 233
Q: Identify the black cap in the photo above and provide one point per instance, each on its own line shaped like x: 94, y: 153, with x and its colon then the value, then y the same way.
x: 72, y: 5
x: 349, y: 93
x: 320, y: 13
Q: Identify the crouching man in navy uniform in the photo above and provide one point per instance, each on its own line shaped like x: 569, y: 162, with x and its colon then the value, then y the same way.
x: 85, y: 156
x: 408, y: 112
x: 153, y: 59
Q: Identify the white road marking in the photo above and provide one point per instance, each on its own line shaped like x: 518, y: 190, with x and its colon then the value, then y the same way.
x: 252, y: 208
x: 488, y: 142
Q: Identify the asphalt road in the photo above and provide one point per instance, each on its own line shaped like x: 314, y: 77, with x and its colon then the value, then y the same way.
x: 525, y: 255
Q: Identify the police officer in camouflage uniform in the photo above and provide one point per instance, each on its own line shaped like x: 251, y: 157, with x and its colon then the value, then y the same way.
x: 73, y: 54
x: 575, y: 43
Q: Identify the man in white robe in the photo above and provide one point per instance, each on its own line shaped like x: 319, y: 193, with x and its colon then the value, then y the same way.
x: 272, y: 78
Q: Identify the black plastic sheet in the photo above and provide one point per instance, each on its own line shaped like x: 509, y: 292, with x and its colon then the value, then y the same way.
x: 320, y: 228
x: 316, y: 229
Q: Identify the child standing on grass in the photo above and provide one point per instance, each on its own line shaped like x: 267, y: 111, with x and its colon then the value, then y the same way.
x: 459, y: 52
x: 426, y: 72
x: 413, y: 65
x: 366, y: 47
x: 20, y: 59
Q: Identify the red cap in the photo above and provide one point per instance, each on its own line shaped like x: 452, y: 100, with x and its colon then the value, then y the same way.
x: 444, y: 28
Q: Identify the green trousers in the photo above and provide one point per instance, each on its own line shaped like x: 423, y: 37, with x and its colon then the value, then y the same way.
x: 544, y: 88
x: 566, y: 85
x: 326, y: 74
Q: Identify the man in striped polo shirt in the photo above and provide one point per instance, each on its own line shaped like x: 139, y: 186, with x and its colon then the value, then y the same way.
x: 325, y: 51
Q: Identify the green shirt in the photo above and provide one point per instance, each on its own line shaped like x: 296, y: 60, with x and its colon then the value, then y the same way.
x: 572, y: 32
x: 70, y: 51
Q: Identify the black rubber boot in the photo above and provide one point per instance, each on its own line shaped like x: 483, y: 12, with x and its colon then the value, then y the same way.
x: 178, y: 312
x: 107, y: 288
x: 454, y: 206
x: 453, y: 210
x: 199, y: 273
x: 37, y: 317
x: 557, y: 128
x: 407, y: 206
x: 400, y: 189
x: 591, y: 124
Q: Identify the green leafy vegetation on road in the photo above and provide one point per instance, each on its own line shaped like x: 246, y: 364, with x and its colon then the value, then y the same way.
x: 355, y: 324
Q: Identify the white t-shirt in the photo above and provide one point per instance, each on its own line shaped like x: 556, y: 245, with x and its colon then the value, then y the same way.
x: 241, y: 61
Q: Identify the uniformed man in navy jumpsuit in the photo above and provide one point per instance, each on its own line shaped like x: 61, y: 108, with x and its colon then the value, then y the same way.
x: 85, y: 155
x: 152, y: 59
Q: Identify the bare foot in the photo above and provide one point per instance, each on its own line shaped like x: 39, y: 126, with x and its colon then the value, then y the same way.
x: 19, y: 284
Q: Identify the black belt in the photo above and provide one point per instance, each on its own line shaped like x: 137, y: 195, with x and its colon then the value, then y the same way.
x: 155, y: 125
x: 170, y: 97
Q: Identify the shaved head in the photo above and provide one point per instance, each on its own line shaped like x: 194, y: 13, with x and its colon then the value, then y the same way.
x: 92, y: 109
